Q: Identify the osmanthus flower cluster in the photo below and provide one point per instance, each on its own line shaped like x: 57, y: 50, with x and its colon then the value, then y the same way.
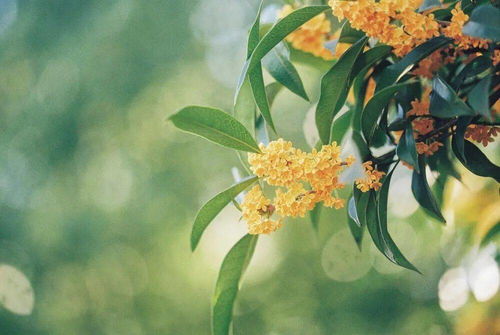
x: 303, y: 180
x: 408, y: 83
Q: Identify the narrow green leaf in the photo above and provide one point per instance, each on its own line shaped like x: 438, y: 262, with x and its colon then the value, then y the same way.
x: 353, y: 222
x: 361, y: 202
x: 226, y: 288
x: 422, y: 193
x: 340, y: 126
x: 428, y: 4
x: 280, y: 30
x: 278, y: 64
x: 491, y: 235
x: 254, y: 33
x: 484, y: 22
x: 459, y: 137
x: 216, y: 126
x: 396, y: 71
x: 406, y: 149
x: 213, y: 207
x: 334, y: 88
x: 478, y: 97
x: 259, y: 93
x: 445, y: 103
x: 472, y: 69
x: 377, y: 226
x: 374, y: 108
x: 244, y: 108
x: 369, y: 58
x: 315, y: 215
x: 477, y: 162
x: 272, y: 91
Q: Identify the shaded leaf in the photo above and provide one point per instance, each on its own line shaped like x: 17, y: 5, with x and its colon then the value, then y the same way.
x: 216, y: 126
x: 445, y: 102
x: 472, y: 69
x: 374, y: 108
x: 353, y: 222
x: 213, y: 207
x: 377, y: 225
x: 369, y: 58
x: 459, y: 137
x: 315, y: 215
x: 278, y: 65
x: 491, y: 234
x: 334, y: 88
x: 477, y: 162
x: 396, y: 71
x: 226, y: 288
x: 428, y: 4
x: 422, y: 193
x: 361, y: 202
x: 340, y: 126
x: 484, y: 22
x: 406, y: 149
x: 478, y: 97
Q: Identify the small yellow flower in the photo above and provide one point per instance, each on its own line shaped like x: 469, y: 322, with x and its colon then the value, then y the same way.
x: 482, y: 134
x: 454, y: 30
x: 428, y: 149
x: 296, y: 202
x: 256, y: 211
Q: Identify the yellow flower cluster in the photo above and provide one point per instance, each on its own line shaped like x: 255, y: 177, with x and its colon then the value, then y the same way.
x: 429, y: 65
x: 257, y: 210
x: 377, y: 19
x: 372, y: 178
x: 311, y: 36
x: 454, y: 30
x: 481, y: 133
x: 303, y: 180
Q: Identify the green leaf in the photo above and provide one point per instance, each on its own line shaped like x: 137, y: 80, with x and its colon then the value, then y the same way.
x: 278, y: 64
x: 478, y: 97
x: 396, y: 71
x: 374, y: 108
x: 244, y: 108
x: 314, y: 215
x: 272, y: 91
x: 377, y: 225
x: 491, y: 234
x: 279, y: 31
x: 348, y: 34
x: 216, y: 126
x: 477, y: 162
x: 213, y: 207
x: 445, y: 103
x: 484, y: 22
x: 459, y: 137
x: 422, y: 193
x: 226, y: 288
x: 428, y: 4
x: 472, y: 69
x: 340, y: 126
x: 369, y: 58
x: 361, y: 202
x: 334, y: 88
x: 353, y: 222
x: 406, y: 149
x: 259, y: 93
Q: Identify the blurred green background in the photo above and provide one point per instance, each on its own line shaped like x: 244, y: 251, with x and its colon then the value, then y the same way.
x: 98, y: 192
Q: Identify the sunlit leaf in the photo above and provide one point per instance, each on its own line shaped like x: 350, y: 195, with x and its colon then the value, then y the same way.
x: 395, y: 72
x: 340, y: 126
x: 423, y: 194
x: 213, y: 207
x: 445, y: 102
x: 477, y: 162
x: 216, y: 126
x: 406, y: 149
x: 369, y: 58
x: 361, y: 204
x: 334, y: 88
x: 377, y: 225
x: 226, y: 288
x: 491, y: 235
x: 244, y: 108
x: 428, y: 4
x: 278, y: 64
x: 374, y: 108
x: 484, y: 22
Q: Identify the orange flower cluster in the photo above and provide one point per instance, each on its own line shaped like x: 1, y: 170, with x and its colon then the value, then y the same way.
x: 304, y: 179
x: 454, y: 30
x: 377, y: 19
x: 428, y: 149
x: 481, y: 133
x: 311, y: 36
x: 429, y: 65
x: 371, y: 180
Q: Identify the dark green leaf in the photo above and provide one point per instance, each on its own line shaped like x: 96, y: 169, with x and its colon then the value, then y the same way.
x: 374, y: 108
x: 459, y: 137
x: 226, y: 288
x: 395, y: 72
x: 484, y: 22
x: 213, y: 207
x: 361, y: 202
x: 369, y: 58
x: 340, y: 126
x: 406, y: 149
x: 478, y: 97
x: 278, y: 65
x: 353, y: 222
x: 422, y: 193
x: 477, y: 162
x: 472, y: 69
x: 377, y: 225
x: 364, y: 151
x: 272, y: 91
x: 445, y: 103
x: 349, y: 34
x: 334, y: 88
x: 216, y: 126
x: 428, y: 4
x: 491, y: 234
x: 259, y: 93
